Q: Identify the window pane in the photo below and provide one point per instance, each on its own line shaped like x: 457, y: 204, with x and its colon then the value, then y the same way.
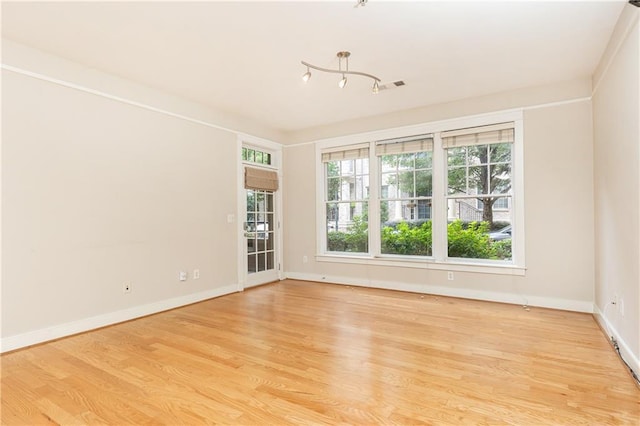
x: 457, y: 156
x: 406, y: 184
x: 251, y: 263
x: 500, y: 178
x: 457, y: 181
x: 333, y: 216
x: 256, y: 156
x: 270, y: 202
x: 333, y: 188
x: 423, y: 183
x: 500, y: 153
x: 388, y: 163
x: 390, y: 180
x: 361, y: 185
x: 406, y: 161
x: 478, y: 180
x: 333, y: 168
x: 477, y: 154
x: 479, y: 228
x: 346, y: 167
x: 423, y: 160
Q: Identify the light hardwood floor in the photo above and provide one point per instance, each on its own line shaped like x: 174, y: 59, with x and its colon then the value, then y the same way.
x: 297, y: 352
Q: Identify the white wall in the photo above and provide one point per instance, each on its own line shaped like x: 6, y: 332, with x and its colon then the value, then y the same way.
x: 530, y: 96
x: 558, y: 180
x: 616, y: 106
x: 97, y: 192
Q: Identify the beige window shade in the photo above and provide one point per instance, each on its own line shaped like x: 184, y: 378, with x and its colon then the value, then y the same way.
x: 484, y: 135
x: 260, y: 179
x: 348, y: 154
x: 405, y: 145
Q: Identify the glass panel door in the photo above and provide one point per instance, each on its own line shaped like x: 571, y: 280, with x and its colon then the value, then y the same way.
x: 260, y: 236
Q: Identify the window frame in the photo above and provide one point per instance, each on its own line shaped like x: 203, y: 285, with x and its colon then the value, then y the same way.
x: 439, y: 260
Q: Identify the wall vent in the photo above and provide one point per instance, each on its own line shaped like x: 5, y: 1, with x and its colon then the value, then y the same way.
x: 392, y: 85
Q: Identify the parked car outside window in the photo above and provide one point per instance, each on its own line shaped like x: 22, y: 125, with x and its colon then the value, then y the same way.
x: 501, y: 234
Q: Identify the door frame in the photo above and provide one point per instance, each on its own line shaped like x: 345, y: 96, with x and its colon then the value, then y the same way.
x: 275, y: 150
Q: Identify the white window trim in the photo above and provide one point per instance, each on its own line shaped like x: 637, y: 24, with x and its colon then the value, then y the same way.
x: 439, y: 213
x: 264, y: 145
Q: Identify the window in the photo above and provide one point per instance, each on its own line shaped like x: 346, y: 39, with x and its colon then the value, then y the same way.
x: 346, y: 200
x: 256, y: 156
x: 443, y: 197
x: 406, y: 170
x: 478, y: 173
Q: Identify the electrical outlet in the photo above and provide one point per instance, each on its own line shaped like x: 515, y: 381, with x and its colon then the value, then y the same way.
x: 182, y: 276
x: 196, y: 274
x: 126, y: 288
x: 450, y: 276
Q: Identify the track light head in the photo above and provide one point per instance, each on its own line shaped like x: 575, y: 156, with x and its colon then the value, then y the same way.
x: 376, y: 88
x: 306, y: 76
x: 342, y: 82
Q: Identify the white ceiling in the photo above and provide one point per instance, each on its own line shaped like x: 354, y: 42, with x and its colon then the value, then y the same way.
x: 244, y: 58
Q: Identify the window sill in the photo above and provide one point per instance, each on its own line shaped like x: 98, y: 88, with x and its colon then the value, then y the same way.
x: 448, y: 265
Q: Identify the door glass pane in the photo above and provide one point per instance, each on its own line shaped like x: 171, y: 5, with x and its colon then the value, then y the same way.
x: 251, y: 263
x: 270, y: 202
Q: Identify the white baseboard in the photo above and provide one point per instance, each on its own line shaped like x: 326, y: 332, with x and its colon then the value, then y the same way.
x: 86, y: 324
x: 625, y: 350
x: 491, y: 296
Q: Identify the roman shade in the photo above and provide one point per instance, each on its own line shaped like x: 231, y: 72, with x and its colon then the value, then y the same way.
x: 351, y: 153
x: 260, y: 179
x: 405, y: 145
x: 483, y: 135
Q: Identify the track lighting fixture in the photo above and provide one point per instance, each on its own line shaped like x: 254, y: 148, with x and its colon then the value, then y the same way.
x: 341, y: 55
x: 306, y: 76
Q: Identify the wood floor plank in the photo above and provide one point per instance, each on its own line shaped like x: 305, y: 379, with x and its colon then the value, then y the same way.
x: 298, y: 352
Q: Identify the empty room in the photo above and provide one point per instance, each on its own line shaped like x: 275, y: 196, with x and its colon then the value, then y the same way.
x: 320, y: 212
